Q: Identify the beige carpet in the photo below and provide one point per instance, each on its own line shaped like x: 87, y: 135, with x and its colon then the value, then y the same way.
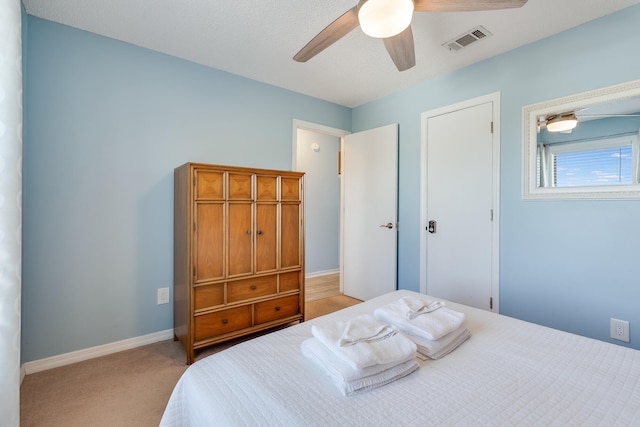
x: 130, y: 388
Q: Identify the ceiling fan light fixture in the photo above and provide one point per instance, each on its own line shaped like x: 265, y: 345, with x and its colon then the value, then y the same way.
x: 384, y: 18
x: 561, y: 122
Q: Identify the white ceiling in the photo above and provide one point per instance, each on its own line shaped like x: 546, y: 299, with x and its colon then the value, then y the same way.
x: 257, y: 39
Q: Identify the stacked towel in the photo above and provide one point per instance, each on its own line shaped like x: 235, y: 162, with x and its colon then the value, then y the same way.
x: 369, y: 350
x: 360, y: 354
x: 436, y: 329
x: 353, y: 381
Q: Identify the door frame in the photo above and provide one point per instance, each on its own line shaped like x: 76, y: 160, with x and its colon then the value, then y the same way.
x: 338, y: 133
x: 494, y: 98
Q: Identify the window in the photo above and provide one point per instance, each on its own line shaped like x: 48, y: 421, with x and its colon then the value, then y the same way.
x: 611, y: 161
x: 604, y: 114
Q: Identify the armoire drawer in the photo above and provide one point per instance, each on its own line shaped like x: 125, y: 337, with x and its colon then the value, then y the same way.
x: 275, y: 309
x: 251, y: 288
x: 221, y: 322
x: 290, y: 281
x: 208, y: 296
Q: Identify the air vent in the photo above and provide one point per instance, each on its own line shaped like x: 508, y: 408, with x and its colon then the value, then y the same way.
x: 467, y: 38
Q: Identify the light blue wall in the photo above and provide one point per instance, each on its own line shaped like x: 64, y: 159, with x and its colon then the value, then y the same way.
x: 567, y: 264
x: 322, y: 200
x: 107, y: 123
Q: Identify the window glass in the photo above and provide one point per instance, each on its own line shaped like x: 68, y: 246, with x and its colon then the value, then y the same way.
x: 611, y: 161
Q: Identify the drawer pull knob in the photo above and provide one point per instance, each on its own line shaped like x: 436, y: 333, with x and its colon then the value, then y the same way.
x: 248, y: 232
x: 277, y: 308
x: 259, y: 232
x: 254, y: 287
x: 225, y: 321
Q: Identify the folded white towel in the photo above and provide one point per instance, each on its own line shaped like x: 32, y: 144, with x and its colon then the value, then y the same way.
x: 433, y: 325
x: 392, y: 349
x: 352, y: 381
x: 415, y: 306
x: 436, y: 349
x: 362, y: 329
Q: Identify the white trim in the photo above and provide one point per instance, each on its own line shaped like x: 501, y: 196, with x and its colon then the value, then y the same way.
x: 321, y: 273
x: 93, y: 352
x: 326, y: 130
x: 493, y: 98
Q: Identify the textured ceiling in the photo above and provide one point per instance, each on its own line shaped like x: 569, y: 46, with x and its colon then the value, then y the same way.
x: 257, y: 39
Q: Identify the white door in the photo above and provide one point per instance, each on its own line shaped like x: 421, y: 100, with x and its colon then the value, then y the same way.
x: 460, y: 206
x: 370, y: 179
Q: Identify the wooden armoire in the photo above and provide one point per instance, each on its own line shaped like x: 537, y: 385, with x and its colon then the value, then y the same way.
x: 238, y: 252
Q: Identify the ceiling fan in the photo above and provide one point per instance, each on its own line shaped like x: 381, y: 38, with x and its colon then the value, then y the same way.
x: 390, y: 20
x: 567, y: 121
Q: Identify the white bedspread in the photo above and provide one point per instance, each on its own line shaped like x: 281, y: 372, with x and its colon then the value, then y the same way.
x: 509, y: 372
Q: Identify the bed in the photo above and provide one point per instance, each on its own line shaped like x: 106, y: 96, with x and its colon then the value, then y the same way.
x: 509, y: 372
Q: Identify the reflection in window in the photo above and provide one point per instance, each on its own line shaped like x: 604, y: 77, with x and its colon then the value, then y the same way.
x: 611, y: 161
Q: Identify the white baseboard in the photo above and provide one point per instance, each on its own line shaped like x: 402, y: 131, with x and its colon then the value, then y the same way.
x: 92, y: 352
x: 321, y: 273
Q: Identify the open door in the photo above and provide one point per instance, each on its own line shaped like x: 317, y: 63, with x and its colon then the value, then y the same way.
x: 370, y: 179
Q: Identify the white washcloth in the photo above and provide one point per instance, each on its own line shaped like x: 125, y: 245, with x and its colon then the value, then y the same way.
x: 432, y: 326
x: 362, y: 329
x: 393, y: 349
x: 353, y: 381
x: 436, y: 349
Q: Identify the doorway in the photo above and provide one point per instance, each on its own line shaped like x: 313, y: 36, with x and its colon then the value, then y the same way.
x: 372, y: 263
x: 459, y: 247
x: 315, y: 152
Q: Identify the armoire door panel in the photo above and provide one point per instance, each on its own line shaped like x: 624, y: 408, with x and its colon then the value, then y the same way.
x: 210, y: 185
x: 290, y: 235
x: 240, y: 185
x: 266, y: 188
x: 289, y: 189
x: 240, y: 239
x: 209, y: 241
x: 266, y: 237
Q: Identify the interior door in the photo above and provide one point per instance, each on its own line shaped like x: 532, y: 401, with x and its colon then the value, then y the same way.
x: 370, y: 180
x: 460, y: 205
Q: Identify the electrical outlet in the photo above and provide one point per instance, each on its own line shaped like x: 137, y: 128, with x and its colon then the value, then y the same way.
x: 163, y: 295
x: 620, y: 330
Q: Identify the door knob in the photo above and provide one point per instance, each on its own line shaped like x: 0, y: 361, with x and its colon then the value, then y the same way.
x: 387, y: 225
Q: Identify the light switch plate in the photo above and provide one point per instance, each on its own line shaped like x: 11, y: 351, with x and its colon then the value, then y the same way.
x: 163, y: 295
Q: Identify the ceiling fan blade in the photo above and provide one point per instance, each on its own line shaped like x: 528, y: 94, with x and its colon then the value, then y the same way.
x: 401, y: 50
x: 465, y: 5
x: 331, y: 34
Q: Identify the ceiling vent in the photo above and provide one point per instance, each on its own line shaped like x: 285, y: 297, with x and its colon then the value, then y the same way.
x: 467, y: 38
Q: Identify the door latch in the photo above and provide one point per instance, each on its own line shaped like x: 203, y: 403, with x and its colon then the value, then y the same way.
x: 432, y: 227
